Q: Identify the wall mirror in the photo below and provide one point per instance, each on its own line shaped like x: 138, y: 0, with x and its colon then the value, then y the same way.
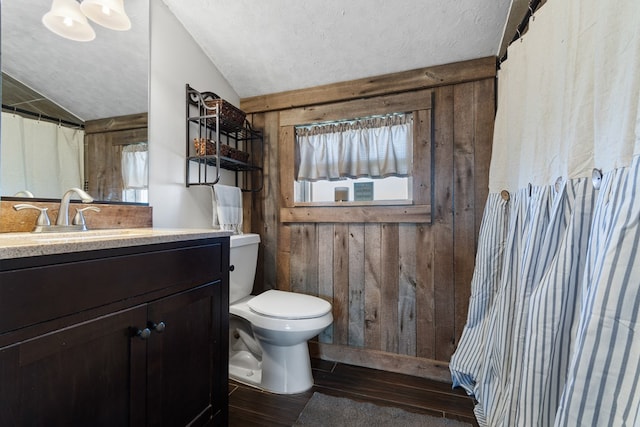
x: 101, y: 84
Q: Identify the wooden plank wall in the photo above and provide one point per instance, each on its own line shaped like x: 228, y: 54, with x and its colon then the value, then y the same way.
x: 104, y: 140
x: 399, y: 290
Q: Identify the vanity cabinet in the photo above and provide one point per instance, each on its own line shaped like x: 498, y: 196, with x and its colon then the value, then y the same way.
x: 129, y: 336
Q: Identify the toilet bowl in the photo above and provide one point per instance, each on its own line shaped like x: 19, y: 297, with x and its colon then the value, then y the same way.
x: 269, y: 332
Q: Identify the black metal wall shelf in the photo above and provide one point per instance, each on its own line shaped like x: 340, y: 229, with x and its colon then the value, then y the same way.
x: 204, y: 123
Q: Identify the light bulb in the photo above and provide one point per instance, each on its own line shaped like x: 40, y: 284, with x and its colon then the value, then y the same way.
x: 108, y: 13
x: 67, y: 20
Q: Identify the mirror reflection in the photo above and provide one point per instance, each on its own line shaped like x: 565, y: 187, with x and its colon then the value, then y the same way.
x: 74, y: 114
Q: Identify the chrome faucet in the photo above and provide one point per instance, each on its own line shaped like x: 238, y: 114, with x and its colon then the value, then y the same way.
x: 24, y: 193
x: 63, y: 212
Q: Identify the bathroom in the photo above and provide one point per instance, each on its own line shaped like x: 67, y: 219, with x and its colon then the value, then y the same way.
x: 400, y: 290
x: 415, y: 335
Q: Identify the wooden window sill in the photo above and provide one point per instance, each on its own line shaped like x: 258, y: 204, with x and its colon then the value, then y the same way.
x: 353, y: 212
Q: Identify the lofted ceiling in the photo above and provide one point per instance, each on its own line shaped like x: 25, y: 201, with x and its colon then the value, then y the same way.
x: 260, y: 47
x: 264, y: 47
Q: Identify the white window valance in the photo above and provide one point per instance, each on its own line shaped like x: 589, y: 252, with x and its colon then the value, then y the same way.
x: 374, y: 147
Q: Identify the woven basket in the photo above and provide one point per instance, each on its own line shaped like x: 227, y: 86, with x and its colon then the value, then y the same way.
x: 206, y: 147
x: 241, y: 156
x: 200, y: 145
x: 231, y: 118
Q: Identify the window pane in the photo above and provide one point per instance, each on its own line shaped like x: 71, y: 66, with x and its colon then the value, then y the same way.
x: 391, y: 188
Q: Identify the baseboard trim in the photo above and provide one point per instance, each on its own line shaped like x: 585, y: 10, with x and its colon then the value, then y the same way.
x: 391, y: 362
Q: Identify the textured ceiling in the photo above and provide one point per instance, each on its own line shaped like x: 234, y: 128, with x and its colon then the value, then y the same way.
x: 260, y: 47
x: 102, y: 78
x: 271, y: 46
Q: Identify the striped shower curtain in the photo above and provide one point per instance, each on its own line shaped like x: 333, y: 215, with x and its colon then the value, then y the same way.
x: 553, y: 329
x: 552, y: 334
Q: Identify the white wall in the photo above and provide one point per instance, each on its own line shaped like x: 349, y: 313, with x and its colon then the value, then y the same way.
x: 176, y: 59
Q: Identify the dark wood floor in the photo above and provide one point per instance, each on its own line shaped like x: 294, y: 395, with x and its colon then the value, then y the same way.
x: 250, y: 407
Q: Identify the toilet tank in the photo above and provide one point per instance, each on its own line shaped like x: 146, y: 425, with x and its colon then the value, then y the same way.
x: 243, y: 255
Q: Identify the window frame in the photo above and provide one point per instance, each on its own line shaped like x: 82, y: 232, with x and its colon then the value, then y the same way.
x: 420, y: 103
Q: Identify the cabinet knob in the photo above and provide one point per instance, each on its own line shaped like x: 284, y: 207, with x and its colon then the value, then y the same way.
x: 143, y: 334
x: 232, y: 267
x: 158, y: 327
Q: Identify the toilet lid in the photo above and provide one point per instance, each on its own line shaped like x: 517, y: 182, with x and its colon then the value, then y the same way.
x: 288, y: 305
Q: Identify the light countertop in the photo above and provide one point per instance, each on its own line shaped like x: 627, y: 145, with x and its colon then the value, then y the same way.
x: 21, y: 245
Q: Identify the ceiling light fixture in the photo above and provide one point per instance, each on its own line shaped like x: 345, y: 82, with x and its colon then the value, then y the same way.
x: 68, y: 18
x: 108, y: 13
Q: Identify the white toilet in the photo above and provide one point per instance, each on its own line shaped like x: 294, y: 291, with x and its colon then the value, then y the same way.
x: 268, y: 333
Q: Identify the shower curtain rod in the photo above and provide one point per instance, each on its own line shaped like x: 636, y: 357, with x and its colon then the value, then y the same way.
x: 42, y: 116
x: 533, y: 5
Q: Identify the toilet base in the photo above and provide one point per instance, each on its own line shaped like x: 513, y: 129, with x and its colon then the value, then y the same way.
x: 283, y: 370
x: 286, y: 369
x: 244, y: 368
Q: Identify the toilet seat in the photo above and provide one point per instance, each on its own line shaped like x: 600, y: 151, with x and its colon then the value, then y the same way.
x: 288, y: 305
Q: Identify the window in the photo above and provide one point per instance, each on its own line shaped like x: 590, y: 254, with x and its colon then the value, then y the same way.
x: 360, y: 160
x: 311, y: 198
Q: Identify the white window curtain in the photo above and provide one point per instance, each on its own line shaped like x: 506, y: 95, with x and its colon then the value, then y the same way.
x: 46, y: 158
x: 135, y: 171
x: 373, y: 147
x: 553, y: 329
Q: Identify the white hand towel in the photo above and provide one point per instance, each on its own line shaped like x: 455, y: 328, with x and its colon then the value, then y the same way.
x: 227, y: 207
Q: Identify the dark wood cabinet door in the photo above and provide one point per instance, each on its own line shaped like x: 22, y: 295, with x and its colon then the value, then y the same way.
x: 182, y: 359
x: 88, y: 374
